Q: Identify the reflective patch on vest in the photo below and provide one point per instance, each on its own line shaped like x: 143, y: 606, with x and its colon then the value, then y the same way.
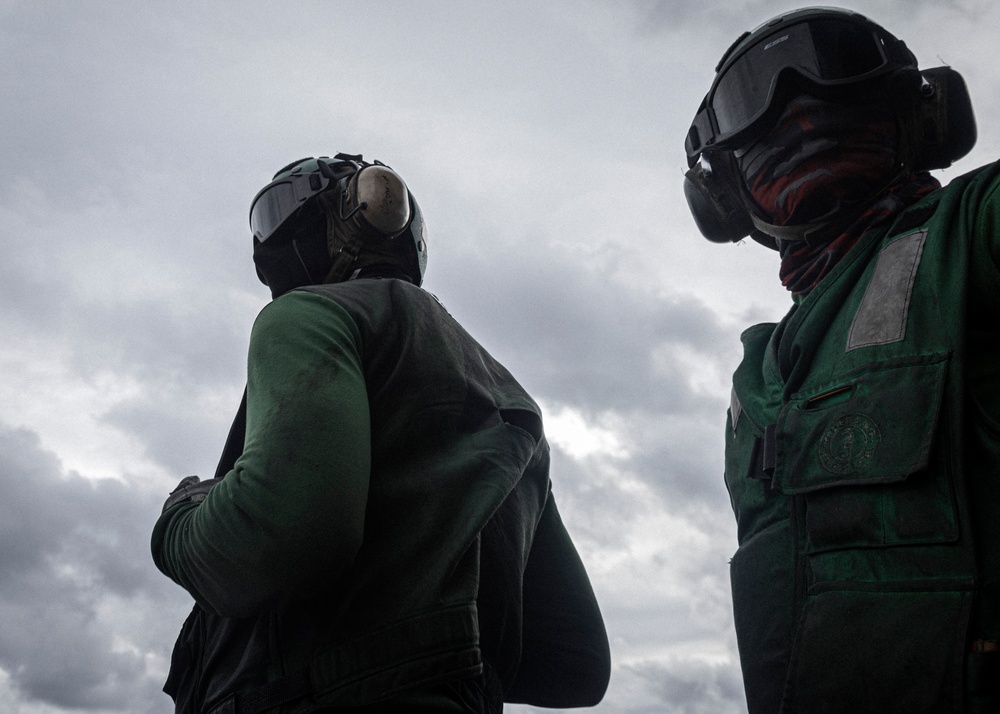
x: 881, y: 317
x: 849, y: 444
x: 735, y: 408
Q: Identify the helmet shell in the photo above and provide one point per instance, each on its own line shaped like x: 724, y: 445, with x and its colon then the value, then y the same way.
x: 279, y: 210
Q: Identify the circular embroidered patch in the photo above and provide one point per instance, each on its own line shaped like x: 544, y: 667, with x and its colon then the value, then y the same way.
x: 849, y: 444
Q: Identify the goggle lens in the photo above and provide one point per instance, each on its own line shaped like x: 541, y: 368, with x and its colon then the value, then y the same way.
x: 271, y: 209
x: 825, y: 51
x: 278, y: 201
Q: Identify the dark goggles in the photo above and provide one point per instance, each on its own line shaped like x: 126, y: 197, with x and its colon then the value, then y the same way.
x: 279, y: 200
x: 827, y: 52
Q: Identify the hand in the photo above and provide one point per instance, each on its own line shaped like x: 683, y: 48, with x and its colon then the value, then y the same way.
x: 190, y: 488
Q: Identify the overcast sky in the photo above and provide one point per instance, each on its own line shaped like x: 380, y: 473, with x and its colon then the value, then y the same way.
x: 543, y: 141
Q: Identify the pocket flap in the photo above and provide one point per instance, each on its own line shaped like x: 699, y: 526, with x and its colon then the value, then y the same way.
x: 877, y: 426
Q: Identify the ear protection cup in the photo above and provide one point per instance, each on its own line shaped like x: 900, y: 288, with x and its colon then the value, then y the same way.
x: 715, y: 203
x: 944, y: 125
x: 380, y: 199
x: 935, y: 117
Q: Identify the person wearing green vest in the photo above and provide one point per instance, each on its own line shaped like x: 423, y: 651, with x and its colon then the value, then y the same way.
x: 863, y: 437
x: 381, y: 534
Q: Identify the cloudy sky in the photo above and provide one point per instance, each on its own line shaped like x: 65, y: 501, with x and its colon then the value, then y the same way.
x: 544, y: 143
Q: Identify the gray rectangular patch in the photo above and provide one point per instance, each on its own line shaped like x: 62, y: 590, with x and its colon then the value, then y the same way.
x: 881, y: 317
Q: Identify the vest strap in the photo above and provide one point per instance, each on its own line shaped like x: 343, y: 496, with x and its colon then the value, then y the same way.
x: 769, y: 457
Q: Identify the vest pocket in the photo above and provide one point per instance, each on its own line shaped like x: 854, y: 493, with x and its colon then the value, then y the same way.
x: 882, y: 650
x: 860, y: 452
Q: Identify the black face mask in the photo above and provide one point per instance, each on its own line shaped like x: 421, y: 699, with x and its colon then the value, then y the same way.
x: 286, y: 264
x: 821, y: 160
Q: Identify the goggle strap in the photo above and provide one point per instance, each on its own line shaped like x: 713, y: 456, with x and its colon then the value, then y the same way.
x: 732, y: 47
x: 338, y: 170
x: 694, y: 144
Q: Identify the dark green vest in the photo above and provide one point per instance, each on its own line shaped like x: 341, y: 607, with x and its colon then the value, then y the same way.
x: 848, y: 463
x: 457, y: 488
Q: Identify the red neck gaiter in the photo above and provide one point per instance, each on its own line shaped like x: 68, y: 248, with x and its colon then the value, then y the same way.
x: 820, y: 160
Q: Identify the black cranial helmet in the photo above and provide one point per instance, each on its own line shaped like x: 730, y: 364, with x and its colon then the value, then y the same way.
x: 830, y: 54
x: 316, y: 217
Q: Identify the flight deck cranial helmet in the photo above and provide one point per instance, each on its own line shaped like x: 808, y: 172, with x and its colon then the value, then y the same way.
x: 833, y: 55
x: 320, y: 220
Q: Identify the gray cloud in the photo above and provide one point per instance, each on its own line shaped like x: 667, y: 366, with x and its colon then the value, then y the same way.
x: 573, y: 336
x: 544, y: 144
x: 694, y: 687
x: 73, y: 553
x: 163, y: 419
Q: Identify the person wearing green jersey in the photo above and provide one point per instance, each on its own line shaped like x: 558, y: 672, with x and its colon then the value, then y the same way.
x: 381, y: 533
x: 863, y: 438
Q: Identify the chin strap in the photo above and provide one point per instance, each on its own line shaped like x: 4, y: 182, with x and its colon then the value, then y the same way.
x: 810, y: 233
x: 343, y: 259
x: 344, y: 245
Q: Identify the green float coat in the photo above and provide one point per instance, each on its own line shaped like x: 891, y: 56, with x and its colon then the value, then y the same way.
x: 863, y: 461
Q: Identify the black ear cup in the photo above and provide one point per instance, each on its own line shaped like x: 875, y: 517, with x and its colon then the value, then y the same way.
x: 715, y: 204
x: 944, y: 125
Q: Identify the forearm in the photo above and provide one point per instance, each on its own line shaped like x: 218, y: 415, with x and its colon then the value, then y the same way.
x: 238, y: 560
